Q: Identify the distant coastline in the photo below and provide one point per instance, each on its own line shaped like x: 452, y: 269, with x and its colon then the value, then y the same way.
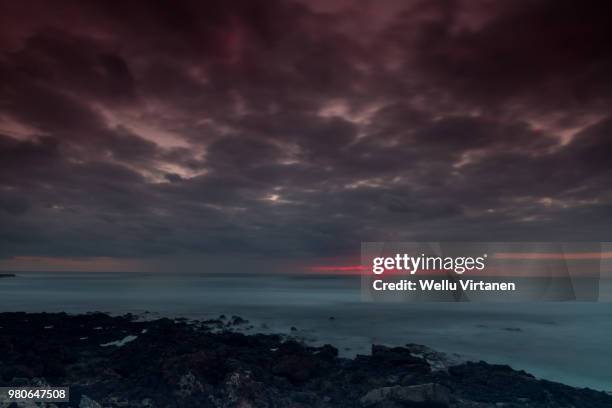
x: 7, y: 275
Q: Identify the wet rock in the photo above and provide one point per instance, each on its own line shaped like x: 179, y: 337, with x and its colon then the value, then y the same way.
x: 437, y: 361
x: 188, y: 385
x: 434, y: 395
x: 327, y: 352
x: 87, y: 402
x: 237, y: 320
x: 395, y: 355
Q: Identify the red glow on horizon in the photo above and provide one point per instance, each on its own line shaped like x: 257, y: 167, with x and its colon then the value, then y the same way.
x: 347, y: 269
x: 524, y: 270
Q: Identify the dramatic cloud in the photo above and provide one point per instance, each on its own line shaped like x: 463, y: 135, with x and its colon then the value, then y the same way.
x: 153, y: 129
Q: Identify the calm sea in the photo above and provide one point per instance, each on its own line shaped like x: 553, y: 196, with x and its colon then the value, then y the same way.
x: 567, y: 342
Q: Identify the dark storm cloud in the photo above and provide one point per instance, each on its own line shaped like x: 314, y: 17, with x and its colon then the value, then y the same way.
x: 281, y: 128
x: 508, y: 51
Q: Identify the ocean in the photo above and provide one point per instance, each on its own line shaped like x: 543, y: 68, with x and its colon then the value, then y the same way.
x: 567, y: 342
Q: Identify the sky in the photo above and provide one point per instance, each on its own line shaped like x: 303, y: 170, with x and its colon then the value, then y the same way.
x: 249, y: 135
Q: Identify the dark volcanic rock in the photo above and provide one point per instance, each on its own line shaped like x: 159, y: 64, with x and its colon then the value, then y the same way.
x: 432, y: 395
x: 237, y: 320
x: 121, y: 362
x: 486, y: 382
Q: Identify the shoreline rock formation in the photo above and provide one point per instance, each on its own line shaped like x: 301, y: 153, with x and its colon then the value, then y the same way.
x: 125, y: 362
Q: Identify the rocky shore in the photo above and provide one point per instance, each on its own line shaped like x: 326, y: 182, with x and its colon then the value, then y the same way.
x: 7, y: 275
x: 127, y: 362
